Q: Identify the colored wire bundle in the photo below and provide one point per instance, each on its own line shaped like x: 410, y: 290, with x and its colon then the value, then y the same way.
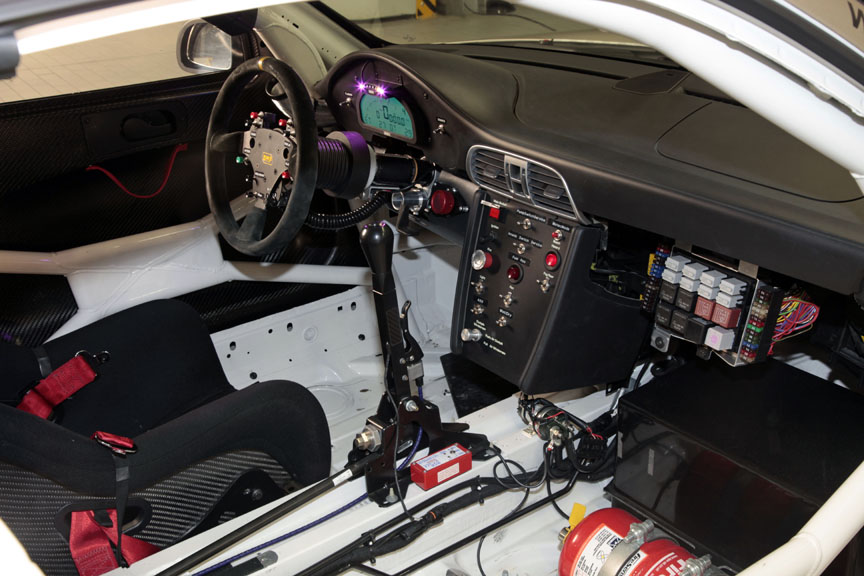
x: 796, y: 316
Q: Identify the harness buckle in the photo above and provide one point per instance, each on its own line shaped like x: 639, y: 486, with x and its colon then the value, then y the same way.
x: 119, y: 445
x: 94, y: 360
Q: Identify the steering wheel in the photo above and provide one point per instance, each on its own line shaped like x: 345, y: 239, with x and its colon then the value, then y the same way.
x: 271, y: 148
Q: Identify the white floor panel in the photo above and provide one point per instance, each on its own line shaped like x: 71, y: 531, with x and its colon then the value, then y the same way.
x: 332, y: 348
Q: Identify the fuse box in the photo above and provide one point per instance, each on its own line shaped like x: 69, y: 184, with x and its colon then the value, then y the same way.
x: 719, y: 308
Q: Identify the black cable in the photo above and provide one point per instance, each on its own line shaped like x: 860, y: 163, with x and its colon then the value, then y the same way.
x: 491, y: 528
x: 339, y: 561
x: 549, y: 492
x: 323, y: 566
x: 527, y: 487
x: 263, y: 520
x: 340, y: 221
x: 514, y: 511
x: 403, y: 535
x: 641, y: 374
x: 515, y: 480
x: 396, y: 453
x: 369, y: 570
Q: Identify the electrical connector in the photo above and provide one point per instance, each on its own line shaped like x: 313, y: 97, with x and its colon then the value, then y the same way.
x: 732, y: 286
x: 719, y: 339
x: 689, y: 284
x: 707, y: 292
x: 591, y: 448
x: 676, y: 263
x: 712, y: 278
x: 727, y: 300
x: 671, y: 277
x: 704, y: 308
x: 694, y: 270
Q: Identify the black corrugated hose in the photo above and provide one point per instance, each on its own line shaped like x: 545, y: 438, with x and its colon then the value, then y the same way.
x: 340, y: 221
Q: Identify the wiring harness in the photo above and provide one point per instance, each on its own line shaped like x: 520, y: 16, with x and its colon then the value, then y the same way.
x: 797, y: 316
x: 341, y: 221
x: 572, y: 445
x: 572, y: 450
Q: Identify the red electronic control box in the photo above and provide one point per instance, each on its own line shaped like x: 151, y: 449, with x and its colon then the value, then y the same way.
x: 439, y: 467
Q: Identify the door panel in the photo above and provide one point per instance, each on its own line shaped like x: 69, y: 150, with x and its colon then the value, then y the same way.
x: 50, y: 201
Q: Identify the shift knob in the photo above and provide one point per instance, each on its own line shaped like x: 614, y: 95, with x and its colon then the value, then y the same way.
x: 376, y: 240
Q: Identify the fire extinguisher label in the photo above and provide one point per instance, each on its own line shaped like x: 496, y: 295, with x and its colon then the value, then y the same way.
x: 596, y: 552
x: 631, y: 564
x: 669, y: 565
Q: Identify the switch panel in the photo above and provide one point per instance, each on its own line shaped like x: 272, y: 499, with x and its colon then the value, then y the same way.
x: 539, y: 321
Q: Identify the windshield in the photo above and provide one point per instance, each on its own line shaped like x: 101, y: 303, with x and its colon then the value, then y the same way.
x: 437, y: 21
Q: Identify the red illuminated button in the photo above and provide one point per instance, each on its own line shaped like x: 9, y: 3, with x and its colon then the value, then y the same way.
x: 514, y: 273
x: 253, y: 115
x: 557, y: 235
x: 552, y: 260
x: 494, y: 213
x: 283, y: 122
x: 442, y: 202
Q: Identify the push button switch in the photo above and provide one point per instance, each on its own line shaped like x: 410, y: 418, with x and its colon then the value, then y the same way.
x: 514, y: 273
x: 552, y: 260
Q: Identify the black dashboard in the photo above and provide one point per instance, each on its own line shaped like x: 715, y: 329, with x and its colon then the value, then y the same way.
x: 574, y: 163
x: 638, y: 142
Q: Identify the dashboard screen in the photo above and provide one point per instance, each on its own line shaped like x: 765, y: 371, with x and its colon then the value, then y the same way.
x: 388, y: 115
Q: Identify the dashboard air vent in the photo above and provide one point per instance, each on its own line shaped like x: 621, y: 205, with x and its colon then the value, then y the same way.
x: 547, y: 189
x: 486, y: 168
x: 522, y: 178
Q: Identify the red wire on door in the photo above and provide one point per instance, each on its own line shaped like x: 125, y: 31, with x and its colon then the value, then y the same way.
x: 177, y: 149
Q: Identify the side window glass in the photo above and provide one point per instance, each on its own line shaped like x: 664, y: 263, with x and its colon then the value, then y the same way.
x: 121, y: 60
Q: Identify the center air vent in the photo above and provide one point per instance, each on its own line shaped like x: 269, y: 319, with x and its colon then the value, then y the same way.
x: 547, y: 189
x: 520, y: 177
x: 486, y: 167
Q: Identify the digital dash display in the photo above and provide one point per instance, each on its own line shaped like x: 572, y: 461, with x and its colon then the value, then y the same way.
x: 388, y: 115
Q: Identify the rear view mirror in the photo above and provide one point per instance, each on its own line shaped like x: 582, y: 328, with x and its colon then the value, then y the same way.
x: 203, y: 48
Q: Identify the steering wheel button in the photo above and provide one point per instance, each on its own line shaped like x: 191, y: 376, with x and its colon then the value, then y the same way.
x: 552, y: 260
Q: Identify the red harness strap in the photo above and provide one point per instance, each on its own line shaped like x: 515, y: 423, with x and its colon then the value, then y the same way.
x: 90, y: 544
x: 57, y: 387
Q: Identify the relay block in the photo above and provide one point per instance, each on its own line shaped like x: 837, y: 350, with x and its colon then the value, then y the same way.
x: 720, y: 309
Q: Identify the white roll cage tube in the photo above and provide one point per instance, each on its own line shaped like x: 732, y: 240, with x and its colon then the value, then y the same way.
x: 816, y: 545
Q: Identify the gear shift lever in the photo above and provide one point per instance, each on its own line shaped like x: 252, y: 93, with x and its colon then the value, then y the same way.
x: 376, y: 240
x: 402, y: 354
x: 404, y: 380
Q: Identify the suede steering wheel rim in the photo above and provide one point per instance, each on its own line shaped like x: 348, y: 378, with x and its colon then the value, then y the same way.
x: 222, y: 143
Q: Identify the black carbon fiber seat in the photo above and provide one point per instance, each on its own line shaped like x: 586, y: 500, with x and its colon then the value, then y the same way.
x: 205, y: 451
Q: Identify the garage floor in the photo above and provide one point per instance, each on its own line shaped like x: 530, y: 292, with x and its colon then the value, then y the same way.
x: 132, y: 58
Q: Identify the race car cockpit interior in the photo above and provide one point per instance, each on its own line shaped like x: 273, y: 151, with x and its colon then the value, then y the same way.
x: 414, y: 307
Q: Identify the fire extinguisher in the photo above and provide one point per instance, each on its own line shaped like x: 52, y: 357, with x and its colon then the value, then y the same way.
x: 612, y: 542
